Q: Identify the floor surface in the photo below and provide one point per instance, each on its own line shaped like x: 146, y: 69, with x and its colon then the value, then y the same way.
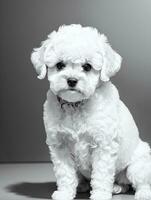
x: 33, y: 181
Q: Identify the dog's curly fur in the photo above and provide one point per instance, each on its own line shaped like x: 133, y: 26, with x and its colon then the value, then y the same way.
x: 90, y: 132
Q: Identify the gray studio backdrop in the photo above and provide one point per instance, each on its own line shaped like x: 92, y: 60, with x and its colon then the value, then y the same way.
x: 25, y: 23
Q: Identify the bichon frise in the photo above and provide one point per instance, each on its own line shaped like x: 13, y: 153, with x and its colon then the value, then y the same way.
x: 90, y: 132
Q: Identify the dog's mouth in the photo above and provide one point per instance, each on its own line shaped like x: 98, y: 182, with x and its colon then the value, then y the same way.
x: 74, y: 89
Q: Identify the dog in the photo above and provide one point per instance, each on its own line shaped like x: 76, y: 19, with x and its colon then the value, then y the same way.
x: 91, y: 134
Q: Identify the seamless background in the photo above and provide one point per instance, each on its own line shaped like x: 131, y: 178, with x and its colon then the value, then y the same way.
x: 24, y: 24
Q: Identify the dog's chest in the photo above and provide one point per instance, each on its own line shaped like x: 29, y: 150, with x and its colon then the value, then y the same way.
x: 74, y: 123
x: 75, y: 134
x: 81, y: 152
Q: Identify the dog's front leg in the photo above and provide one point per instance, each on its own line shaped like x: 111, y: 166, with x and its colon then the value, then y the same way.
x: 65, y: 172
x: 103, y: 171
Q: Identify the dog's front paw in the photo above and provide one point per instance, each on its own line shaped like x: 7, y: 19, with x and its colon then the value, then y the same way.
x: 143, y: 194
x: 99, y: 195
x: 62, y: 195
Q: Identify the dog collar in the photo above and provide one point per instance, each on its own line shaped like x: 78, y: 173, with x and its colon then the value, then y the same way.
x: 74, y: 105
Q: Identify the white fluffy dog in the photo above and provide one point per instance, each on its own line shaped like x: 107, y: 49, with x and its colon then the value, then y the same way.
x: 90, y: 132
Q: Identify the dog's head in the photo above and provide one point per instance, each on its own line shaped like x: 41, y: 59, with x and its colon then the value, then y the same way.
x: 76, y: 60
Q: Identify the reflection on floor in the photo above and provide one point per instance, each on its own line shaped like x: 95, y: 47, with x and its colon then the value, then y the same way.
x: 33, y: 181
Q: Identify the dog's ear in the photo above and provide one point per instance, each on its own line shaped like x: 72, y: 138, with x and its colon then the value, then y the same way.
x: 111, y: 62
x: 38, y: 62
x: 41, y: 55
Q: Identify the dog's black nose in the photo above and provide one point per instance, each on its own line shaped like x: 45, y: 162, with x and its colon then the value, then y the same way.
x: 72, y: 82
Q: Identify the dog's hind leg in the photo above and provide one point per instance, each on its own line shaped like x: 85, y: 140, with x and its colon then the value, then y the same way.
x: 120, y: 189
x: 139, y: 172
x: 121, y: 184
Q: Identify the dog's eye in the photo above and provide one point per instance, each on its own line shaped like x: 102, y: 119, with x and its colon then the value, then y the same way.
x: 60, y: 66
x: 87, y: 67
